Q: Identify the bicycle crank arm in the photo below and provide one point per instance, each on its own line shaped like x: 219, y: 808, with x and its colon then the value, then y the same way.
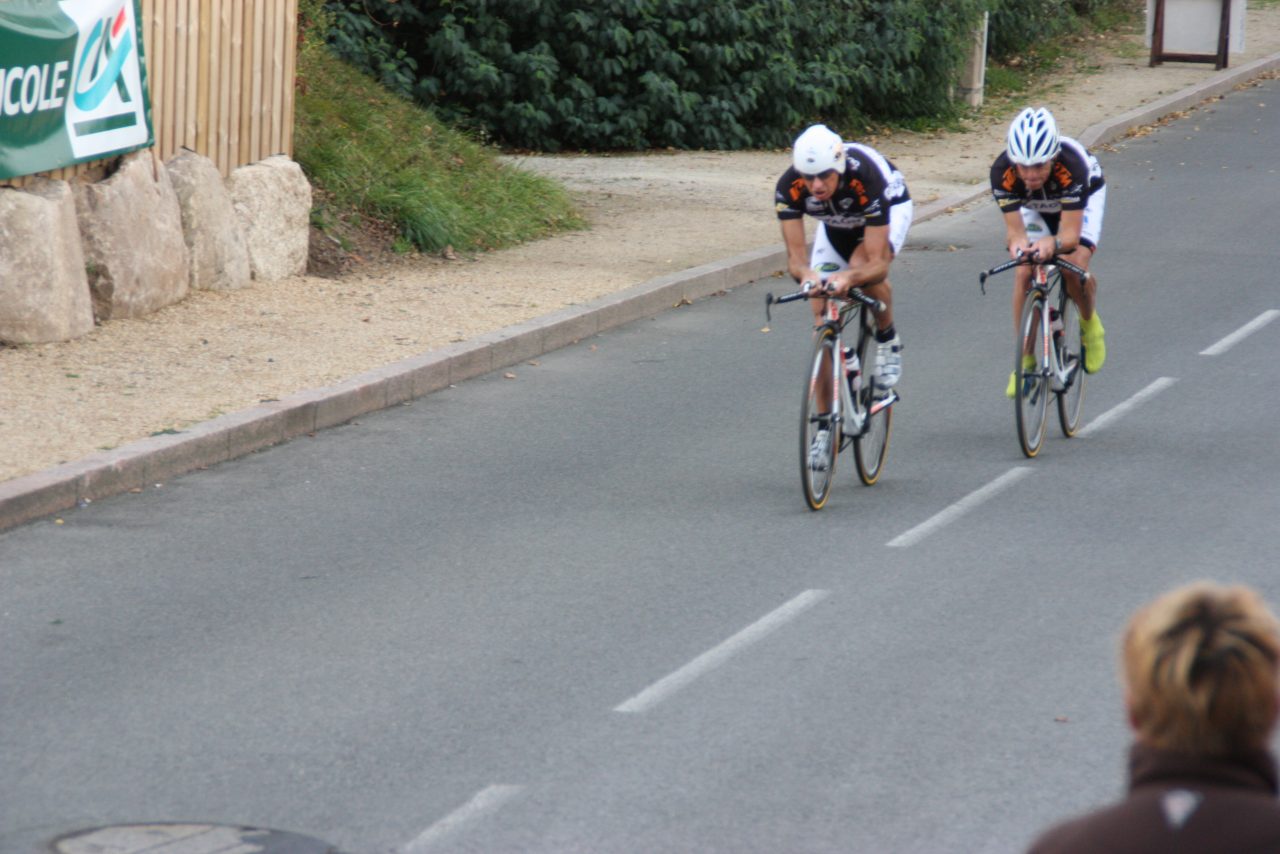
x: 884, y: 403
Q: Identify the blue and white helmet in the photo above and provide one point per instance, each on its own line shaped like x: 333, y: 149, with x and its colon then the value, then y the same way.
x: 816, y: 150
x: 1033, y: 137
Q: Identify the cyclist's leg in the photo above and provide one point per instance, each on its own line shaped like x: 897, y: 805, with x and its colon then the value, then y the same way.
x: 1091, y: 331
x: 1021, y: 282
x: 1036, y: 228
x: 825, y: 257
x: 900, y: 217
x: 830, y: 254
x: 888, y: 368
x: 1085, y: 295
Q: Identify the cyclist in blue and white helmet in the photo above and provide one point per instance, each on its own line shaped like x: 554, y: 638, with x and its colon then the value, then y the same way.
x: 1033, y: 138
x: 1051, y: 192
x: 863, y: 209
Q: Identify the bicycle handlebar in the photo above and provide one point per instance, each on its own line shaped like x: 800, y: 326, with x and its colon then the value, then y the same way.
x: 1025, y: 260
x: 815, y: 292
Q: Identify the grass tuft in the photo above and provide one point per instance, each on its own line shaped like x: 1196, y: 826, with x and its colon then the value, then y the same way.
x: 377, y: 154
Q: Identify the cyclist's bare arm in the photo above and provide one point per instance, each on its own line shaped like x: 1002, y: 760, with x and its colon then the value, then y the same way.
x: 797, y: 251
x: 1070, y: 224
x: 1015, y: 234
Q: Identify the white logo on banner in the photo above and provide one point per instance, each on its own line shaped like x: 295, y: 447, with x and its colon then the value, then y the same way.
x: 106, y: 110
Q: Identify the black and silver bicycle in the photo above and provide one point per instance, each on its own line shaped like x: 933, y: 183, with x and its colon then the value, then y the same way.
x: 842, y: 406
x: 1049, y: 353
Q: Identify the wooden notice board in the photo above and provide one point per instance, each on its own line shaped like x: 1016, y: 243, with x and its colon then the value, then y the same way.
x: 1159, y: 55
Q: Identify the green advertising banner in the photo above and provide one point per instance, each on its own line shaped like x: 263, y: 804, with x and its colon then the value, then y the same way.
x: 72, y: 80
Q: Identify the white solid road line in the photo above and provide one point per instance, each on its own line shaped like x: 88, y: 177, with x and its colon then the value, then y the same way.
x: 961, y: 507
x: 482, y: 803
x: 1242, y: 333
x: 1116, y: 411
x: 713, y: 658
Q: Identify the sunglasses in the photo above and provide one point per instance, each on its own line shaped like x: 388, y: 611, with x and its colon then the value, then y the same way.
x: 821, y: 176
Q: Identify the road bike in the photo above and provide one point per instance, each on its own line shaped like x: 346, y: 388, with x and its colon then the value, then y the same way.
x: 838, y: 398
x: 1049, y: 353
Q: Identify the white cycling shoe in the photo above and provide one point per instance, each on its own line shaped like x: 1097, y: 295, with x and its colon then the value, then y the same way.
x: 819, y: 450
x: 888, y: 362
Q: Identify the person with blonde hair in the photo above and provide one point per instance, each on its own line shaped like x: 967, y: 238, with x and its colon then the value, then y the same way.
x: 1201, y: 673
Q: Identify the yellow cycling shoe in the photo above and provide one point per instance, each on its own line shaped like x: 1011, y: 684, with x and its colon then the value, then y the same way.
x: 1092, y: 335
x: 1028, y: 362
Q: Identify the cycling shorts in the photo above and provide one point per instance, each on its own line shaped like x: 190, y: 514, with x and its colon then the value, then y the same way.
x: 835, y: 246
x: 1038, y: 224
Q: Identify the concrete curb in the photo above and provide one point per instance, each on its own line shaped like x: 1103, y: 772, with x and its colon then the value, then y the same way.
x: 158, y: 458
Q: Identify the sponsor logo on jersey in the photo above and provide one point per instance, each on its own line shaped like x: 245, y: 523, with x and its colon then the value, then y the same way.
x: 861, y: 190
x: 1061, y: 174
x: 897, y: 187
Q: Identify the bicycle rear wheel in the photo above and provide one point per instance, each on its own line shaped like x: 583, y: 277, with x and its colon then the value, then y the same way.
x: 1071, y: 358
x: 871, y: 446
x: 1031, y: 400
x: 818, y: 462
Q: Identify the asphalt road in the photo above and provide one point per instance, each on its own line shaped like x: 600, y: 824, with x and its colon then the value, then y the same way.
x: 584, y: 608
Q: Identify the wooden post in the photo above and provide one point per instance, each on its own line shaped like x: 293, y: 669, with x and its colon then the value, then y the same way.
x: 973, y: 78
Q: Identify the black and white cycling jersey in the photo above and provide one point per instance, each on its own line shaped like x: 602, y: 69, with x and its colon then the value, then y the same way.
x: 1073, y: 178
x: 868, y: 188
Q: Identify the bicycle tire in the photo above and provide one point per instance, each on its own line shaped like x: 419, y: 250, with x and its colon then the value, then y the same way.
x: 1031, y: 386
x: 872, y: 444
x: 817, y: 482
x: 1071, y: 358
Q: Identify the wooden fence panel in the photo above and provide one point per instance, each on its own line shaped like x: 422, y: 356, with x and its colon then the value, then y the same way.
x: 220, y: 76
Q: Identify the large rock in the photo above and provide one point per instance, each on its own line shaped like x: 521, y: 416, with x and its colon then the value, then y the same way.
x: 44, y: 295
x: 131, y: 227
x: 273, y: 200
x: 216, y: 247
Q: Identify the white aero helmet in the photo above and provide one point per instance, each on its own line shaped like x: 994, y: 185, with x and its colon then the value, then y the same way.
x: 818, y: 149
x: 1033, y: 137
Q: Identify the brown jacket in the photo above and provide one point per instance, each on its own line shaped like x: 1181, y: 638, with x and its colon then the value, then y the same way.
x: 1179, y: 804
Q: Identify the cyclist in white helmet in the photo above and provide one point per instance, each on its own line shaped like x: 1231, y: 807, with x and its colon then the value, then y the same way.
x: 1051, y: 192
x: 863, y: 210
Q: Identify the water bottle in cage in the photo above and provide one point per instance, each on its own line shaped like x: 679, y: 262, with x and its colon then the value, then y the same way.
x: 852, y: 369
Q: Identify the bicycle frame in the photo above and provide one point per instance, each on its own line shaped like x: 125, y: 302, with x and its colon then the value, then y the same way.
x: 1044, y: 279
x: 1049, y: 363
x: 841, y: 407
x: 846, y: 409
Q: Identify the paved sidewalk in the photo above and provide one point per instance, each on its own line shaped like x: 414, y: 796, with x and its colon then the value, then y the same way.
x: 153, y: 460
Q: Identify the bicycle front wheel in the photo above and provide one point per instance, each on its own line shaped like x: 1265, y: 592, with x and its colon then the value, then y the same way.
x: 871, y: 446
x: 1031, y: 398
x: 1071, y: 359
x: 819, y: 442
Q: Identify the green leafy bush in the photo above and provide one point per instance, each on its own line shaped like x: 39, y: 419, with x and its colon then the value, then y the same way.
x: 610, y: 74
x: 1018, y: 27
